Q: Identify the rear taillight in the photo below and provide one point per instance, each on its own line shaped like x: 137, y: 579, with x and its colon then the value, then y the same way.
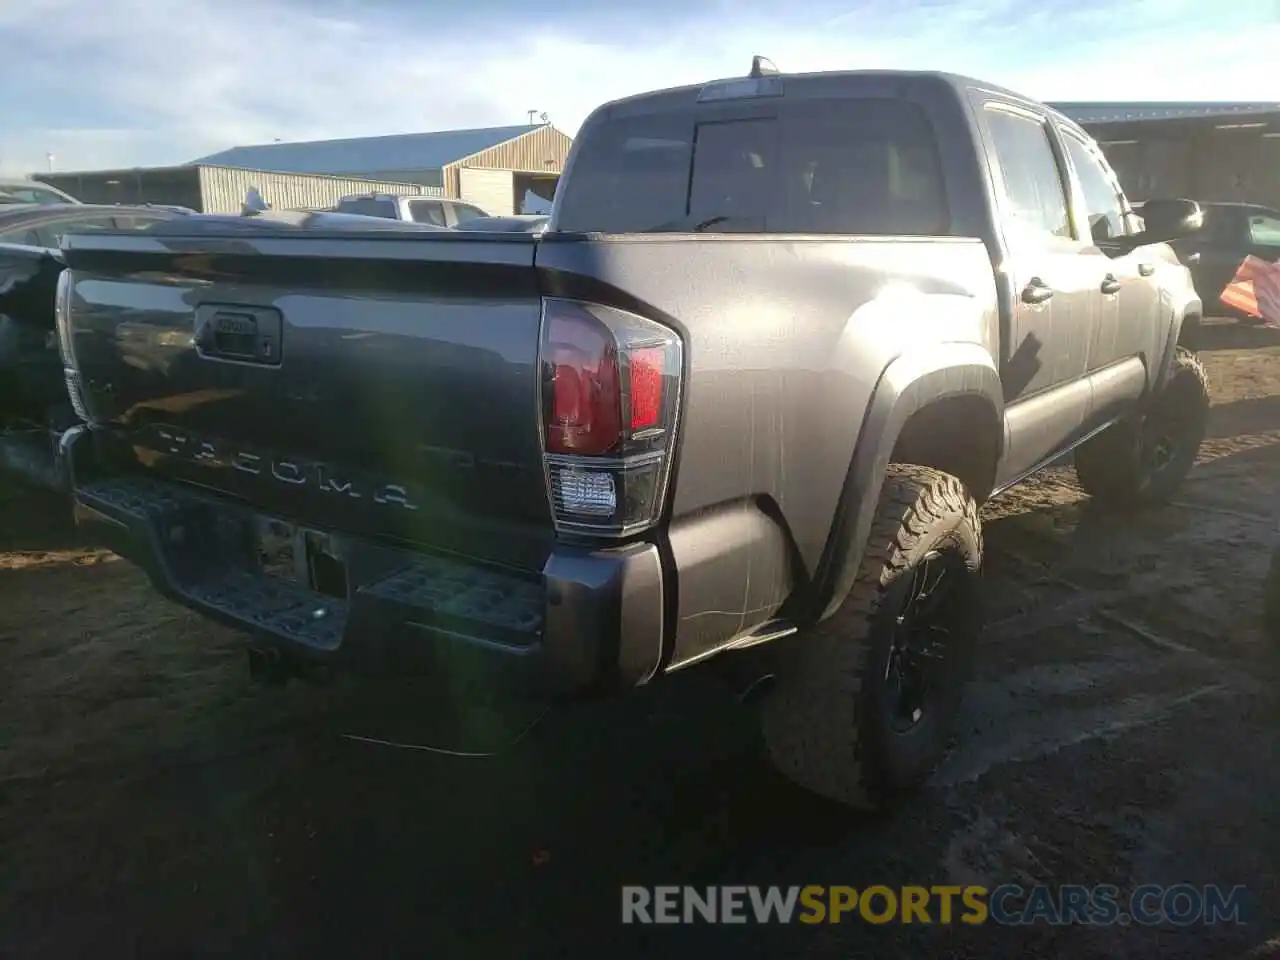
x: 61, y: 316
x: 62, y: 323
x: 610, y: 399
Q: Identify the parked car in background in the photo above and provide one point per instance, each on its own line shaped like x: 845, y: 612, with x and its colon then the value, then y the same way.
x: 1231, y: 232
x: 433, y: 210
x: 16, y: 190
x: 517, y: 223
x: 43, y: 224
x: 34, y: 406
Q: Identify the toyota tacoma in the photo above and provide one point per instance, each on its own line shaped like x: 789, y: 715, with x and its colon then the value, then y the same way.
x: 783, y: 336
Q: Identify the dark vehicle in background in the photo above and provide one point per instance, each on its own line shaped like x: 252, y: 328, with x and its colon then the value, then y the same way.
x: 42, y: 225
x: 1231, y: 232
x: 31, y: 191
x: 517, y: 223
x: 783, y: 336
x: 415, y: 209
x: 33, y: 396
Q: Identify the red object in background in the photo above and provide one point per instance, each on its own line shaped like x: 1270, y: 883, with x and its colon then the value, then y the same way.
x: 1255, y: 290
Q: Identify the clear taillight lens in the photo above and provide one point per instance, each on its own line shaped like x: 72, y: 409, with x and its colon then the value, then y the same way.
x: 61, y: 316
x: 610, y: 400
x: 62, y: 322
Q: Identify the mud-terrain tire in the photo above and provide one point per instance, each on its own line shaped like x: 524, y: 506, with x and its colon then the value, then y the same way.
x: 1142, y: 460
x: 834, y: 722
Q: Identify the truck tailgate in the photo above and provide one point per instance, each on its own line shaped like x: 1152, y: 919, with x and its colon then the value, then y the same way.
x: 373, y: 384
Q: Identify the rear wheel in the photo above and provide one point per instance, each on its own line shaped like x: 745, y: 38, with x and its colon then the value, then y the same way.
x: 1144, y: 459
x: 864, y: 705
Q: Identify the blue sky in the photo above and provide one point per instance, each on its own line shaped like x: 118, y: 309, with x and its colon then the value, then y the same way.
x: 106, y: 83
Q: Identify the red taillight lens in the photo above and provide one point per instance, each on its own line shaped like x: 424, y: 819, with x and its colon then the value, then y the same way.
x: 585, y: 414
x: 610, y: 398
x: 646, y: 387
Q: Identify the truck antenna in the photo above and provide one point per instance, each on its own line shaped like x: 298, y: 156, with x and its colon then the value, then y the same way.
x: 762, y: 67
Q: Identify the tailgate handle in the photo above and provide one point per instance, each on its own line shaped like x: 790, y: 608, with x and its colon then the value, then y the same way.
x: 239, y: 334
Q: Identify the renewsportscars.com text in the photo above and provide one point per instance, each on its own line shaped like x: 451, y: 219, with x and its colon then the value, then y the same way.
x: 1008, y: 904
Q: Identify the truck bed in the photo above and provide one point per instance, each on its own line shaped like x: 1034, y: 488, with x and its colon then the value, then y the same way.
x: 396, y: 405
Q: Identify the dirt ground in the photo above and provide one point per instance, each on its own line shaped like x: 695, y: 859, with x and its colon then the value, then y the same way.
x: 1123, y: 729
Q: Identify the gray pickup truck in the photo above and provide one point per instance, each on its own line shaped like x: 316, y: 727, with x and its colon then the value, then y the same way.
x: 783, y: 336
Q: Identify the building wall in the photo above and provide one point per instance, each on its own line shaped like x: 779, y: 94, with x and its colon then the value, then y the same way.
x: 169, y: 185
x: 493, y: 191
x: 223, y: 189
x: 543, y: 149
x: 1207, y: 164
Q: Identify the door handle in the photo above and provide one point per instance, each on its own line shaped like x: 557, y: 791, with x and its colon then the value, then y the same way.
x: 1110, y: 284
x: 239, y: 334
x: 1146, y: 269
x: 1037, y: 291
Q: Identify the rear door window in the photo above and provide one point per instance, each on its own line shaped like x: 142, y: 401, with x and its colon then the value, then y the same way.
x: 369, y: 207
x: 844, y: 166
x: 427, y: 211
x: 1035, y: 208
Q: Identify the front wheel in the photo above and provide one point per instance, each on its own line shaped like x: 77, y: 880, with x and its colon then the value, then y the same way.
x: 864, y: 707
x: 1144, y: 459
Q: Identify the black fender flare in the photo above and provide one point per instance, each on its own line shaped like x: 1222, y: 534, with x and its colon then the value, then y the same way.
x: 906, y: 385
x: 1193, y: 308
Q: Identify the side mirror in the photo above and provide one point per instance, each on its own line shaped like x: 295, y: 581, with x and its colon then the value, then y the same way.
x: 1165, y: 220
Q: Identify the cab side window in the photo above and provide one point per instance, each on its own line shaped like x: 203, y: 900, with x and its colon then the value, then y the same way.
x: 427, y: 211
x: 1036, y: 199
x: 1103, y: 205
x: 462, y: 212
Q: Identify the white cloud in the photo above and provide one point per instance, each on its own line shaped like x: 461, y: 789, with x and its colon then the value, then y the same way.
x: 164, y: 81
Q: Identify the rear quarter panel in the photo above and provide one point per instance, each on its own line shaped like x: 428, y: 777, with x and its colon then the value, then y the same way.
x: 786, y: 343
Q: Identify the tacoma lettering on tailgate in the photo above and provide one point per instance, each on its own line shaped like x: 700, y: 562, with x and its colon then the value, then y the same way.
x: 282, y: 469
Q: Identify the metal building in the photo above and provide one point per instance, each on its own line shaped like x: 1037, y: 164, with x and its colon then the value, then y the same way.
x: 1202, y: 151
x: 208, y: 188
x: 501, y: 169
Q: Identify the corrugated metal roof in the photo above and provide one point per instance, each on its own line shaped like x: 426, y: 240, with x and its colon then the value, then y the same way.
x: 364, y: 154
x: 1119, y: 112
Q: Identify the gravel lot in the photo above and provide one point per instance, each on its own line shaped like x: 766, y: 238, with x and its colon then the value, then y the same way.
x: 1123, y: 729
